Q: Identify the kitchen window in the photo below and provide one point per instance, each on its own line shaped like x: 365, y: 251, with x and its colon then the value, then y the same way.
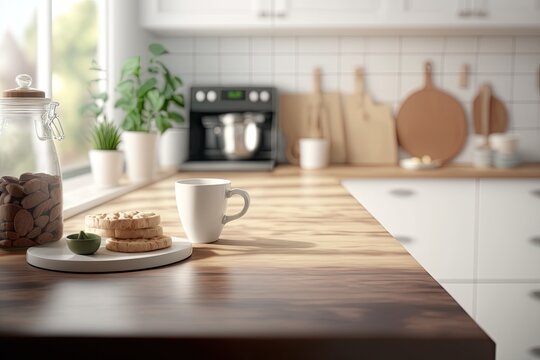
x: 55, y: 42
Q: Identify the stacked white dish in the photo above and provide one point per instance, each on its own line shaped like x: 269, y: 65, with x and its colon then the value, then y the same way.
x: 505, y: 150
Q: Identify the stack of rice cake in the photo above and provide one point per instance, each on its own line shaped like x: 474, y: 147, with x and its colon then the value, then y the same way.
x: 129, y: 231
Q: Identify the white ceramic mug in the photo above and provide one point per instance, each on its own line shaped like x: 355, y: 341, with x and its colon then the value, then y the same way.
x: 314, y: 153
x: 202, y: 204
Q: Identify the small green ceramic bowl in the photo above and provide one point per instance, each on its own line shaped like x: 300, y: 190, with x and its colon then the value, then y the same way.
x: 86, y: 246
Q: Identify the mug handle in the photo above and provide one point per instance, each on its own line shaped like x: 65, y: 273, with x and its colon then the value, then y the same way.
x: 245, y: 195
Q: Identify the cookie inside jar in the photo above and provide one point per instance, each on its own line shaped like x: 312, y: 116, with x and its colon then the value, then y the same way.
x: 30, y: 210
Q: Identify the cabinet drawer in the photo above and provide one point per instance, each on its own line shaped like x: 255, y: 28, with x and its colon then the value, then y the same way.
x: 434, y: 220
x: 509, y: 229
x: 510, y: 314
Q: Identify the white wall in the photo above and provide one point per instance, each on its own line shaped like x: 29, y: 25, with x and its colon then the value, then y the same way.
x: 393, y: 66
x: 126, y: 39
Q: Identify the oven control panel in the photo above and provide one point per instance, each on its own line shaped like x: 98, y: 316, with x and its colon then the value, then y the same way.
x: 228, y: 97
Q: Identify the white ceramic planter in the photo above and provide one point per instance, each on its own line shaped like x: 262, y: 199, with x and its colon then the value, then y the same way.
x: 141, y: 155
x: 173, y: 147
x: 107, y: 167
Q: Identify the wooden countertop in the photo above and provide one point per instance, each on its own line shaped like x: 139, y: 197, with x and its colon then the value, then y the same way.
x: 307, y: 273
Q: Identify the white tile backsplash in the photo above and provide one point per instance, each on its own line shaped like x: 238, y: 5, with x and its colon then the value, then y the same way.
x: 527, y: 63
x: 454, y: 62
x: 528, y: 44
x: 495, y: 44
x: 328, y: 83
x: 285, y: 64
x: 318, y: 45
x: 393, y: 66
x: 207, y: 64
x: 382, y: 44
x: 284, y: 45
x: 327, y: 63
x: 381, y: 63
x: 525, y: 115
x: 261, y: 63
x: 525, y: 88
x: 415, y: 63
x: 262, y: 45
x: 461, y: 44
x: 205, y: 45
x: 235, y: 64
x: 422, y: 44
x: 234, y: 45
x: 350, y: 62
x: 353, y: 44
x: 494, y: 64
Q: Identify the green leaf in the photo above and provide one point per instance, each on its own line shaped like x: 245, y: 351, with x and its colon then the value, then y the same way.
x: 132, y: 67
x: 105, y: 136
x: 162, y: 123
x: 102, y: 96
x: 157, y: 49
x: 156, y: 99
x: 125, y: 87
x: 90, y: 109
x: 147, y: 86
x: 178, y: 99
x: 176, y: 117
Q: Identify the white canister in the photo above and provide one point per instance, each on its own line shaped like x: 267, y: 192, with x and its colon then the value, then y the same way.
x: 314, y: 153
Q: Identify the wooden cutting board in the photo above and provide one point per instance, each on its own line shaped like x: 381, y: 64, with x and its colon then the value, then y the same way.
x: 316, y: 114
x: 489, y: 113
x: 369, y: 128
x: 431, y: 122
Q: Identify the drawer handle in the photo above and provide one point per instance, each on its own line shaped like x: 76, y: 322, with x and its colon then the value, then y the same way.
x: 402, y: 192
x: 536, y: 240
x: 535, y: 351
x: 405, y: 239
x: 535, y: 294
x: 536, y: 192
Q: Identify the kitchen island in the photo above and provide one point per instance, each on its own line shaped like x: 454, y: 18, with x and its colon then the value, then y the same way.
x: 308, y: 273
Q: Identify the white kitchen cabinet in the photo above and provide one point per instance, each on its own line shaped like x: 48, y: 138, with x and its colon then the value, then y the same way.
x: 508, y: 13
x: 509, y: 229
x: 243, y: 17
x: 320, y: 13
x: 434, y: 220
x: 205, y: 15
x: 466, y: 13
x: 510, y: 314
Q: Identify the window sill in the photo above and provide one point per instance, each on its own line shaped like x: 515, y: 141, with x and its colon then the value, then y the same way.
x: 80, y: 194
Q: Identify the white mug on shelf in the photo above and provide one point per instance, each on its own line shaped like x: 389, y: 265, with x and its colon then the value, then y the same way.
x: 314, y: 153
x: 202, y: 204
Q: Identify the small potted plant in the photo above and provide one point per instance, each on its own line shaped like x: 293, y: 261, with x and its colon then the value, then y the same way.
x: 106, y: 161
x: 148, y: 107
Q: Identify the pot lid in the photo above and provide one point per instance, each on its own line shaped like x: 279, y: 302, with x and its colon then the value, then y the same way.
x: 23, y: 90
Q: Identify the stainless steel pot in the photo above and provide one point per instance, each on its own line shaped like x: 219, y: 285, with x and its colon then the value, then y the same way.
x: 239, y: 134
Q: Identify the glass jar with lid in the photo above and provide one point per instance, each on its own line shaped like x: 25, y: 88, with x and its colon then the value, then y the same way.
x: 30, y: 178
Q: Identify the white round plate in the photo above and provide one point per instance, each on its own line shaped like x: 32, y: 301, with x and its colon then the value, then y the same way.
x: 412, y: 165
x: 57, y: 256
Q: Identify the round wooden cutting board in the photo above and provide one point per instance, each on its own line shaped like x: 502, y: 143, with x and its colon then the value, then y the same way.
x: 431, y: 122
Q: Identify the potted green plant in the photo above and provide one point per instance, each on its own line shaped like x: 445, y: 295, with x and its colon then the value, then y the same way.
x: 148, y: 102
x: 106, y: 161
